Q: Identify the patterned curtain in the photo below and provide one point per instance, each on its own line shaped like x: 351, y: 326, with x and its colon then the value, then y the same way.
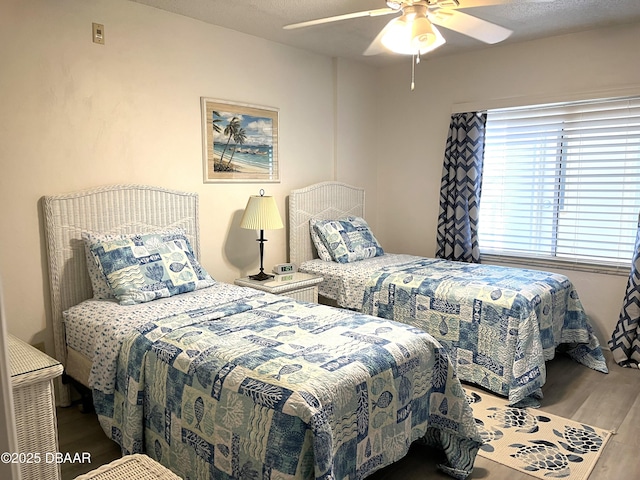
x: 625, y: 341
x: 460, y: 188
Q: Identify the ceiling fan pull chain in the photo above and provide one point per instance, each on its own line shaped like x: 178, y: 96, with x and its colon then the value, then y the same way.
x: 413, y: 72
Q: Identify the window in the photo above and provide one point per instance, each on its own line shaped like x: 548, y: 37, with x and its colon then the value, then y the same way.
x: 562, y: 182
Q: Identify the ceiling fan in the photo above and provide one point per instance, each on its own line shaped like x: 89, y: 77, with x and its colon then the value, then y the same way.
x: 414, y: 31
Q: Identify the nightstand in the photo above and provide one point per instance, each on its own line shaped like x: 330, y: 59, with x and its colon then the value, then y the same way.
x: 299, y: 286
x: 32, y: 374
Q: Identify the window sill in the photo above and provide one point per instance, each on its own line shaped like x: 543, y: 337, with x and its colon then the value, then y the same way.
x: 556, y: 263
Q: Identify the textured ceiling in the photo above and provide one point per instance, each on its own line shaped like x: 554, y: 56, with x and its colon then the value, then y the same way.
x: 350, y: 38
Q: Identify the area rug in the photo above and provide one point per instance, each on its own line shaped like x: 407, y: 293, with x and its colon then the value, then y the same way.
x: 534, y: 442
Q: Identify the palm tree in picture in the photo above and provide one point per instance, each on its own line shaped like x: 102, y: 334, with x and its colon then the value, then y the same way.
x: 231, y: 129
x: 215, y: 119
x: 239, y: 138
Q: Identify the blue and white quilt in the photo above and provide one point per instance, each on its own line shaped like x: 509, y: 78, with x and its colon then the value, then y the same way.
x: 498, y: 324
x: 265, y: 387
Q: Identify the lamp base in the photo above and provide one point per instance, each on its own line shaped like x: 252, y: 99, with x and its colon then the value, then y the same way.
x: 261, y: 277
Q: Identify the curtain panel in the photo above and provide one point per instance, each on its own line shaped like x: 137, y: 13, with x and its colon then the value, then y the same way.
x: 460, y: 188
x: 625, y: 341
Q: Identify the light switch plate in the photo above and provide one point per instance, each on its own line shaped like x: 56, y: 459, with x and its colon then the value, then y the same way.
x: 98, y: 33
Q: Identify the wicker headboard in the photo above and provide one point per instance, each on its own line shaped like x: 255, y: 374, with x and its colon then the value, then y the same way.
x: 108, y: 209
x: 325, y: 201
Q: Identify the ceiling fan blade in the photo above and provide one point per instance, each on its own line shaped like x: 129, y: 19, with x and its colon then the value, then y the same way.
x: 471, y: 26
x: 487, y: 3
x: 337, y: 18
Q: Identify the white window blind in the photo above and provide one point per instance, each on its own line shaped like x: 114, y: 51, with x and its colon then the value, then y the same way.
x: 562, y: 182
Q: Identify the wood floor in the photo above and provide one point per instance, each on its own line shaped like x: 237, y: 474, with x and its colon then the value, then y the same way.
x: 572, y: 391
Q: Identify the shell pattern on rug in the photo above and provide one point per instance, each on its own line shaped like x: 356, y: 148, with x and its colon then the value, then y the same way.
x: 553, y: 459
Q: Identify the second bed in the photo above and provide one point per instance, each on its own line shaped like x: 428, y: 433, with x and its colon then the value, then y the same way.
x: 499, y: 325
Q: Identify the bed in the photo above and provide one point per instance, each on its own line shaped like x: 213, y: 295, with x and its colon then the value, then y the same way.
x: 225, y: 381
x: 499, y: 325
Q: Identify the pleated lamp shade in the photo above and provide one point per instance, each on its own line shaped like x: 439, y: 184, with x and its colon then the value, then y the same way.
x: 261, y: 213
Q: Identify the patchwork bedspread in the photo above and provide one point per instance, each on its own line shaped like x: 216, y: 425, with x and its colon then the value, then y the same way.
x: 271, y: 388
x: 498, y: 324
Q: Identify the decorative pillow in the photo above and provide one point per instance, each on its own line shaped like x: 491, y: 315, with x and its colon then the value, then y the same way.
x: 323, y: 253
x: 99, y: 285
x: 348, y: 239
x: 143, y: 267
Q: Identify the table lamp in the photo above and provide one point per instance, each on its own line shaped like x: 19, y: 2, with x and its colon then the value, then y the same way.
x: 261, y: 214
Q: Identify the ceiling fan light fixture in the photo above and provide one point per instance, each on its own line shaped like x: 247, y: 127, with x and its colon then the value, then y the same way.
x: 422, y: 34
x: 437, y: 41
x: 411, y: 35
x: 398, y: 36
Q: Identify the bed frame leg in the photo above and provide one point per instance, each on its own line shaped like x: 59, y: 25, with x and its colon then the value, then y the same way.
x: 86, y: 397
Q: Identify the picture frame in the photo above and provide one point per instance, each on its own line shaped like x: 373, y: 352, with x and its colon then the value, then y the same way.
x: 239, y: 142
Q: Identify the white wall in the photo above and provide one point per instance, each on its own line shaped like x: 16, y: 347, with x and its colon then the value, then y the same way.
x: 566, y: 67
x: 358, y: 136
x: 77, y: 115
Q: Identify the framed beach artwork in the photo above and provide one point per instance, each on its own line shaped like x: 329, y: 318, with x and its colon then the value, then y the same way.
x: 239, y: 142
